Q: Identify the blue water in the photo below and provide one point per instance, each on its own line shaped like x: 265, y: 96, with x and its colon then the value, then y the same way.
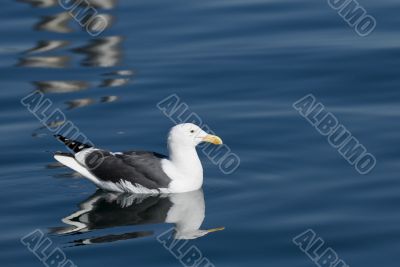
x: 239, y: 65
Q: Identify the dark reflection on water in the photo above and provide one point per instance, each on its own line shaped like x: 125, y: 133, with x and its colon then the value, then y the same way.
x: 47, y: 45
x: 110, y: 210
x: 44, y: 61
x: 62, y: 54
x: 111, y: 238
x: 105, y: 4
x: 58, y: 23
x: 60, y: 86
x: 78, y: 103
x: 40, y: 3
x: 84, y: 102
x: 103, y: 51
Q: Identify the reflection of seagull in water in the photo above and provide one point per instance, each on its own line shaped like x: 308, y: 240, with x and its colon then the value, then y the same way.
x: 105, y: 210
x: 143, y: 172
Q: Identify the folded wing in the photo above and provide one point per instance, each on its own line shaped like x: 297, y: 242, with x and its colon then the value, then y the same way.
x: 137, y: 167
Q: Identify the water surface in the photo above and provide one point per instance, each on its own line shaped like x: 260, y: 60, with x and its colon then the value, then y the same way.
x: 239, y: 65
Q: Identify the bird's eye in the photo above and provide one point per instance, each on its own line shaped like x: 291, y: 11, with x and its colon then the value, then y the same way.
x: 192, y: 131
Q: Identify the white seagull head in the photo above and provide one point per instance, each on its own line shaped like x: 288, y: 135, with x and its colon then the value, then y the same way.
x: 190, y: 135
x: 184, y: 166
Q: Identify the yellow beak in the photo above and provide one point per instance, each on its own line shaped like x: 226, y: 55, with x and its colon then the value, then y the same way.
x: 212, y: 139
x: 216, y: 229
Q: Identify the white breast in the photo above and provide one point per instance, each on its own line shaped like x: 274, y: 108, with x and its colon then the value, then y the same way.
x: 182, y: 181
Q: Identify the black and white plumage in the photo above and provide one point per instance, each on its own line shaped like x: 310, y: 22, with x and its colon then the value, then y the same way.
x: 141, y: 171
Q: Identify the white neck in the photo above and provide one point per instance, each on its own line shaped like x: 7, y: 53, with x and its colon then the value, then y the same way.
x: 186, y: 172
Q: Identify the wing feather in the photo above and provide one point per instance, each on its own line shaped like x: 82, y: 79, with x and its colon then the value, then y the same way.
x: 137, y: 167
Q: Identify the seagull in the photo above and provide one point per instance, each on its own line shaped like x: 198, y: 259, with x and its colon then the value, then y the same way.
x: 142, y: 172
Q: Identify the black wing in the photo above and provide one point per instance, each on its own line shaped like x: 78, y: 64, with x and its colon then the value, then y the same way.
x: 138, y: 167
x: 74, y: 145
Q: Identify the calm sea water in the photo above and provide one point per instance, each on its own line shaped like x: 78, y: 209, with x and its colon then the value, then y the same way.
x: 239, y: 65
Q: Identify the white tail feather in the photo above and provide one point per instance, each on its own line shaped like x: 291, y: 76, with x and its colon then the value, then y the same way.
x: 73, y: 164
